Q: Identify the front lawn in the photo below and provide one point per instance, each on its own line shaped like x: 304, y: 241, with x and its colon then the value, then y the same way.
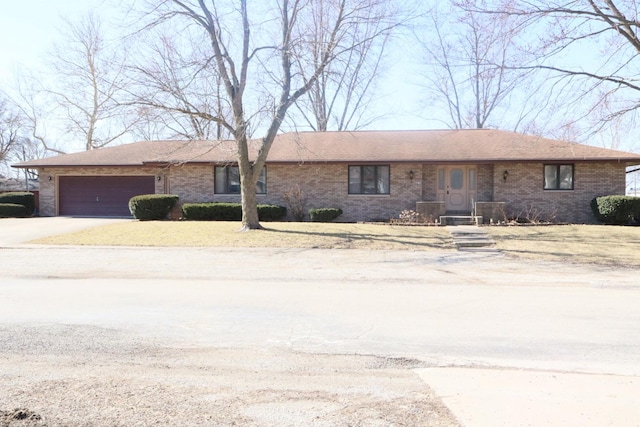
x: 598, y: 244
x: 275, y: 235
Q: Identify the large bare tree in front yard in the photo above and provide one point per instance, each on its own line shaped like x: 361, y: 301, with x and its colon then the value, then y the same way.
x: 264, y: 55
x: 178, y: 94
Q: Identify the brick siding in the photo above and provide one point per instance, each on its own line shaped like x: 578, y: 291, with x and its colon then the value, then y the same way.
x: 326, y: 185
x: 485, y: 183
x: 524, y: 193
x: 49, y: 188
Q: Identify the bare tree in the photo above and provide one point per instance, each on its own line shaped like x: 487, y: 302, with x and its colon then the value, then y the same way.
x: 593, y: 44
x: 85, y: 84
x: 469, y: 58
x: 258, y: 56
x: 36, y: 110
x: 176, y: 90
x: 11, y: 127
x: 15, y: 144
x: 341, y: 96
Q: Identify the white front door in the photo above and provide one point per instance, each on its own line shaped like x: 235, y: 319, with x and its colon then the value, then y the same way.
x: 457, y: 187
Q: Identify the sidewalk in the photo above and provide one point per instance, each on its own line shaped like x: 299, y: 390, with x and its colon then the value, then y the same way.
x: 513, y: 398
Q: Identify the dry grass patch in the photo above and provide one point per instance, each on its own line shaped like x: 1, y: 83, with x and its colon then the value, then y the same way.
x: 598, y: 244
x: 275, y: 235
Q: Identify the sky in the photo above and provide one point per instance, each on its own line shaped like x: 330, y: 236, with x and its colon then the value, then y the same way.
x: 28, y: 29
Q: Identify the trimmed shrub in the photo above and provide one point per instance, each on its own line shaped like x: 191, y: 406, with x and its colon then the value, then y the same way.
x: 271, y: 212
x: 618, y: 210
x: 212, y: 211
x: 13, y: 210
x: 324, y: 214
x: 147, y: 207
x: 24, y: 198
x: 221, y: 211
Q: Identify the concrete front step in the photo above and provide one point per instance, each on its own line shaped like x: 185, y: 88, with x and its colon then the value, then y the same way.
x: 466, y: 243
x: 460, y: 220
x: 470, y: 237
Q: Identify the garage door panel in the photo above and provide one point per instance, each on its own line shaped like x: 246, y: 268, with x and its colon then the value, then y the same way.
x: 101, y: 195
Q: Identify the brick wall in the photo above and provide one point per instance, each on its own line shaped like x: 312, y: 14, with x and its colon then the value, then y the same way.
x: 192, y: 183
x: 523, y: 190
x: 485, y: 183
x: 49, y: 187
x: 430, y: 182
x: 326, y: 185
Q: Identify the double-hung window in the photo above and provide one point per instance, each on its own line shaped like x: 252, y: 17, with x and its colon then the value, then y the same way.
x: 227, y: 180
x: 369, y: 179
x: 558, y: 177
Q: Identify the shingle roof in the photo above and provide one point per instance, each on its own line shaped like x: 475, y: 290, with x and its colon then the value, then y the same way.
x: 477, y: 145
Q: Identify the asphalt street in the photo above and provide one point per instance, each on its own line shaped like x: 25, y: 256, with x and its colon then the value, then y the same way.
x: 483, y: 324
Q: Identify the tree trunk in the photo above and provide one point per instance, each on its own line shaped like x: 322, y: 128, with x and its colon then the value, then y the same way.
x: 249, y: 206
x: 248, y: 197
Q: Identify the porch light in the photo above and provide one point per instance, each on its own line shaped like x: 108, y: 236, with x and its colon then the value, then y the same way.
x: 411, y: 175
x: 50, y: 178
x: 505, y: 175
x: 159, y: 178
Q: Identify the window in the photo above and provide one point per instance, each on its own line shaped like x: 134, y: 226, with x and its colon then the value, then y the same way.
x: 227, y: 180
x: 368, y: 179
x: 558, y: 177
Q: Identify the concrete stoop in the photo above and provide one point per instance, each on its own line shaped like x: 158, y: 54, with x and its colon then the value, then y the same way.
x: 470, y: 237
x: 460, y: 220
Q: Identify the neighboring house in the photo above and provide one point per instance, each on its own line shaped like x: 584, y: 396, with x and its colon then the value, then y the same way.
x: 370, y: 175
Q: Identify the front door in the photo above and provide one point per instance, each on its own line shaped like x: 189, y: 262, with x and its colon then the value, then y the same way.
x: 457, y: 187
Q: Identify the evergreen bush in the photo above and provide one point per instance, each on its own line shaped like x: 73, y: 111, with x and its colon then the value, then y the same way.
x: 618, y: 210
x: 147, y: 207
x: 14, y: 210
x: 24, y: 198
x: 324, y: 214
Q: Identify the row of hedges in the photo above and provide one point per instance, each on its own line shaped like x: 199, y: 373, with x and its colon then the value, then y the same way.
x: 220, y: 211
x: 17, y: 204
x: 618, y: 210
x: 158, y: 206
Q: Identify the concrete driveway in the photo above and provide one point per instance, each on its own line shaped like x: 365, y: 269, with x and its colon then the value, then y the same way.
x: 15, y: 231
x: 502, y: 342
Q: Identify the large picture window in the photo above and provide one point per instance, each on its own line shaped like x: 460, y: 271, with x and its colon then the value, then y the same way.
x: 227, y: 180
x: 367, y: 179
x: 558, y: 177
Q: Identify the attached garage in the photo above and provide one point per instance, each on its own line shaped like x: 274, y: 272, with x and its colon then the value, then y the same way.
x: 100, y: 195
